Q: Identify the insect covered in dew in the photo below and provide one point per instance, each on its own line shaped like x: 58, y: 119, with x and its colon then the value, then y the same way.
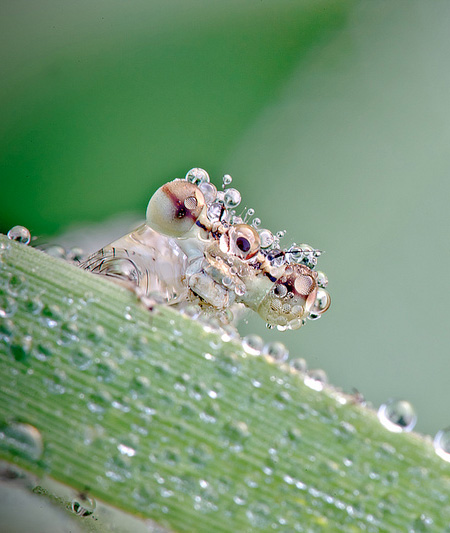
x: 195, y: 248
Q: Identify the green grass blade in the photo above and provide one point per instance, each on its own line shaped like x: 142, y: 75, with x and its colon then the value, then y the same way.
x: 160, y: 416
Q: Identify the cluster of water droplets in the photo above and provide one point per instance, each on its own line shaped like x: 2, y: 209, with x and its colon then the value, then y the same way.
x: 221, y: 206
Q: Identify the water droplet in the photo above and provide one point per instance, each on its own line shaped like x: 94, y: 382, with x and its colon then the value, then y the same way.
x: 96, y: 334
x: 226, y: 180
x: 276, y: 257
x: 252, y: 344
x: 6, y: 328
x: 83, y: 505
x: 299, y: 364
x: 82, y: 357
x: 55, y: 250
x: 256, y: 222
x: 442, y: 444
x: 421, y: 524
x: 34, y: 305
x: 321, y: 304
x: 294, y: 254
x: 235, y: 432
x: 215, y: 211
x: 21, y: 439
x: 21, y: 348
x: 8, y: 305
x: 276, y: 350
x: 397, y: 416
x: 318, y: 375
x: 209, y: 191
x: 20, y: 234
x: 126, y: 450
x: 266, y: 237
x: 197, y: 176
x: 232, y: 198
x: 322, y: 280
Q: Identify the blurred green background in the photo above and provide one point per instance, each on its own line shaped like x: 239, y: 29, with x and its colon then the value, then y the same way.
x: 333, y: 117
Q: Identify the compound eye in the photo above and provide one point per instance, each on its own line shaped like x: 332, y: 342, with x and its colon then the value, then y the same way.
x: 175, y: 208
x: 244, y: 241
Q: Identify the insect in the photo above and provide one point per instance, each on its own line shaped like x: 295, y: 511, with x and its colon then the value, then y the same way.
x: 195, y: 248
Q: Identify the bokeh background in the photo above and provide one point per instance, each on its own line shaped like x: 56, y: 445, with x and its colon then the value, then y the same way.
x: 333, y: 117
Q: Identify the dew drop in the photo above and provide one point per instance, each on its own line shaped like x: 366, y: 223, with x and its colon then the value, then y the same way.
x: 197, y: 176
x: 294, y: 254
x: 276, y: 350
x: 209, y: 191
x: 256, y: 222
x: 232, y: 198
x: 252, y: 344
x: 276, y: 257
x: 19, y: 234
x: 299, y: 364
x: 442, y: 444
x: 321, y: 304
x: 75, y: 254
x: 55, y: 250
x: 322, y: 280
x: 266, y: 237
x: 21, y: 439
x: 226, y: 180
x: 21, y: 348
x: 83, y: 505
x: 397, y: 416
x: 214, y: 211
x: 126, y: 450
x: 8, y: 305
x: 318, y: 375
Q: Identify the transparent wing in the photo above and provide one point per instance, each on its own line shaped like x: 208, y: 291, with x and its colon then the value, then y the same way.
x: 150, y: 260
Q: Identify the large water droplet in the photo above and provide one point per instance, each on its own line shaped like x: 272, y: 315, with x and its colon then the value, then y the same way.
x: 232, y: 198
x: 276, y: 350
x: 209, y: 191
x: 21, y: 439
x: 20, y: 234
x: 299, y: 364
x: 442, y: 444
x: 397, y: 416
x: 252, y: 344
x: 197, y: 176
x: 266, y: 237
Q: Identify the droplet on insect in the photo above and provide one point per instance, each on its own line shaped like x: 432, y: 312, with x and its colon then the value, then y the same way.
x: 321, y: 303
x: 209, y: 191
x: 215, y: 211
x: 20, y: 234
x: 266, y: 237
x: 276, y: 350
x: 226, y: 180
x: 21, y: 439
x: 397, y: 416
x: 232, y: 198
x: 252, y: 344
x: 442, y: 444
x: 197, y: 176
x: 322, y: 280
x: 294, y: 255
x: 276, y: 257
x: 256, y: 222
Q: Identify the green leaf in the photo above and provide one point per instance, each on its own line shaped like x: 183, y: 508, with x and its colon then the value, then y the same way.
x: 161, y: 416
